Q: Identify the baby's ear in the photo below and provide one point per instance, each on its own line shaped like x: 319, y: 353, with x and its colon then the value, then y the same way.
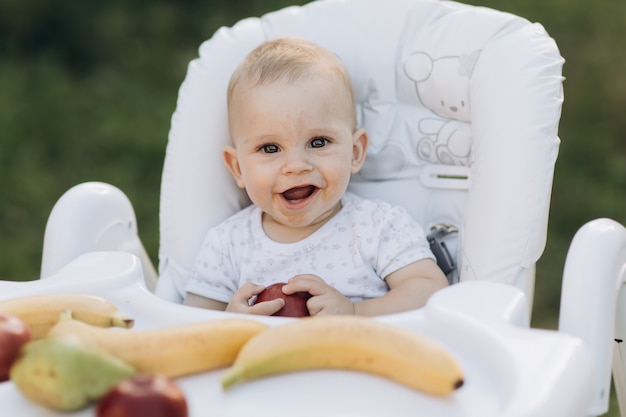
x: 360, y: 141
x: 229, y: 154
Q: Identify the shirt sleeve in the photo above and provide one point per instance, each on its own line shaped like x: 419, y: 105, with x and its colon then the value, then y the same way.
x: 213, y: 275
x: 402, y: 242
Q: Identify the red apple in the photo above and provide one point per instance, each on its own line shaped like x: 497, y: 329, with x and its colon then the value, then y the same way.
x: 14, y: 333
x: 295, y: 304
x: 143, y: 395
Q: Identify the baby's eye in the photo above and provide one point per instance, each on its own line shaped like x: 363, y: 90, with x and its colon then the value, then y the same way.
x: 319, y: 142
x: 269, y: 148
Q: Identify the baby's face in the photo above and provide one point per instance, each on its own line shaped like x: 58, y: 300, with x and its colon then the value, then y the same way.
x: 295, y: 149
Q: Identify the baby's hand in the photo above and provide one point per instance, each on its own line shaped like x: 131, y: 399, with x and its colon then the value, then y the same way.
x: 325, y: 299
x: 239, y: 301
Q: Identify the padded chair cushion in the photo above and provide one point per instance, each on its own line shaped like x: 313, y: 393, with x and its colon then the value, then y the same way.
x: 462, y: 105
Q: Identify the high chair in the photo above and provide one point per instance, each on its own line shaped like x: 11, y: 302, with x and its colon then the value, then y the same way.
x: 462, y: 106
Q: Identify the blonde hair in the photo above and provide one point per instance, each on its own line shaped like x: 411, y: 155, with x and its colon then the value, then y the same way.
x: 289, y: 59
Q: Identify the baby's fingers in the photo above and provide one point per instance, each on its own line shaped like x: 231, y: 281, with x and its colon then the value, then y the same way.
x: 312, y: 284
x: 247, y: 291
x: 267, y: 308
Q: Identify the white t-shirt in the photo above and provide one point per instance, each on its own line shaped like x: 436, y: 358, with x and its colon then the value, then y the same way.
x: 353, y: 252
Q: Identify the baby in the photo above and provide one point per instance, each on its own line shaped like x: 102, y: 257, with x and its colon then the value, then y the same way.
x: 295, y: 145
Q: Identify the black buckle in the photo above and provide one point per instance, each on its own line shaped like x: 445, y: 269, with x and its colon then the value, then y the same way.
x: 440, y: 250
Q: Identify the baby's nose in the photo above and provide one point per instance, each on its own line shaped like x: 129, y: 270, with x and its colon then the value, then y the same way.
x: 297, y: 161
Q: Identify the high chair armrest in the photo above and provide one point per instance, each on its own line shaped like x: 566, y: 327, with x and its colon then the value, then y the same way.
x: 594, y: 274
x: 91, y: 217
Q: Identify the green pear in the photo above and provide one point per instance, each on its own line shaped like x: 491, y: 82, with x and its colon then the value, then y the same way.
x: 63, y: 373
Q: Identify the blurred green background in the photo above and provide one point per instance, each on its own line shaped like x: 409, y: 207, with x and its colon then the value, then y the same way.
x: 87, y: 90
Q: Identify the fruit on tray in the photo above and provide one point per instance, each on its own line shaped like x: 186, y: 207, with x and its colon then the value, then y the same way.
x: 295, y: 304
x: 348, y: 342
x: 64, y: 373
x: 171, y: 351
x: 14, y: 333
x: 41, y: 312
x: 143, y: 395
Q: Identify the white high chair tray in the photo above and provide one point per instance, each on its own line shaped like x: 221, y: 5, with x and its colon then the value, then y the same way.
x: 510, y: 369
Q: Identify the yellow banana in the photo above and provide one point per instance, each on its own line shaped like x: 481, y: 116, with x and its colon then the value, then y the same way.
x: 348, y: 342
x: 41, y: 312
x: 172, y: 351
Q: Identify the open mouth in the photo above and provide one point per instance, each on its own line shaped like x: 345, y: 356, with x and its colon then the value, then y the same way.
x: 297, y: 194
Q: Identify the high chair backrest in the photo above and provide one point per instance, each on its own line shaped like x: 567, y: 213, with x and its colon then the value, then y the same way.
x: 462, y: 106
